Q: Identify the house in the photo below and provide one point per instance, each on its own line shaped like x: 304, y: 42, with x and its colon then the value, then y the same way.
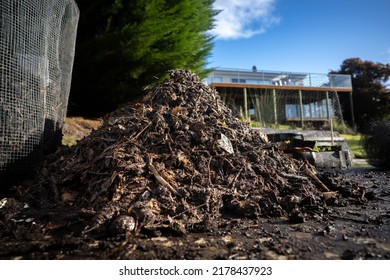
x: 276, y: 97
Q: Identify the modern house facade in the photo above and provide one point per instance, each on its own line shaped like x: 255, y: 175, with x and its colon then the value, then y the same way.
x: 276, y: 97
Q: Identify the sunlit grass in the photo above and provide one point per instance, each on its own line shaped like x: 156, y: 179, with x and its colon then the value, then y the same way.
x: 69, y: 140
x: 354, y: 143
x: 75, y: 128
x: 274, y: 126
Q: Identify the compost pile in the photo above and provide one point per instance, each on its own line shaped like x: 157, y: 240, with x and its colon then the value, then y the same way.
x: 171, y: 164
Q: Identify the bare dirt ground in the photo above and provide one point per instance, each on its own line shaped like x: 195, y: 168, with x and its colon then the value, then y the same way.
x: 159, y: 180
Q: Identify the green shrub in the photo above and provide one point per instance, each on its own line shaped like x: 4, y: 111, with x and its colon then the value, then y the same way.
x: 377, y: 144
x: 342, y: 128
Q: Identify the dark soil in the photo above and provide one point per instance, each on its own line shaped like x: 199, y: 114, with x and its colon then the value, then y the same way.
x: 176, y: 176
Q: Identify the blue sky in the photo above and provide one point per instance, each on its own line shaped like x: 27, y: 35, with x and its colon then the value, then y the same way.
x: 300, y: 35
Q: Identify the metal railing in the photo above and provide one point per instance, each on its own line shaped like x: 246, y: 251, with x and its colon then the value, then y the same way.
x: 279, y: 78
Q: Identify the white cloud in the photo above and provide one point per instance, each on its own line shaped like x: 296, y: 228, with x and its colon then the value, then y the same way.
x: 243, y: 18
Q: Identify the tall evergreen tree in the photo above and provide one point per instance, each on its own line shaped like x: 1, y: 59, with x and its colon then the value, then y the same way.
x: 371, y: 97
x: 124, y: 46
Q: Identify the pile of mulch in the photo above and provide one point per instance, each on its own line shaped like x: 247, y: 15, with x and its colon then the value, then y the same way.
x: 171, y: 164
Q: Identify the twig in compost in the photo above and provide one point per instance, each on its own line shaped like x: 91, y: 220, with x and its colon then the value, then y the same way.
x: 160, y: 179
x: 139, y: 133
x: 189, y: 209
x: 292, y: 176
x: 235, y: 178
x: 315, y: 178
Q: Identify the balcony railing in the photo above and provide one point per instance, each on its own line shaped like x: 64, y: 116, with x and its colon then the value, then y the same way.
x: 279, y: 78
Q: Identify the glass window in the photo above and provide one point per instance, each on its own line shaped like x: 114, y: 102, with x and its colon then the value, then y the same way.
x: 217, y: 79
x: 253, y: 81
x: 292, y: 111
x: 241, y: 81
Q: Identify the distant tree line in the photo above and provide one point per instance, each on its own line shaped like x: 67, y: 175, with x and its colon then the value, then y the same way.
x: 124, y: 46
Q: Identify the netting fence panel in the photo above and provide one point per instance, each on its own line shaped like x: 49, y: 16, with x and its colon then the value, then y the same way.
x: 37, y: 43
x: 311, y: 108
x: 268, y: 107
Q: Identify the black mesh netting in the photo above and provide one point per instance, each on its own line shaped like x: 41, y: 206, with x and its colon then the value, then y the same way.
x: 37, y: 42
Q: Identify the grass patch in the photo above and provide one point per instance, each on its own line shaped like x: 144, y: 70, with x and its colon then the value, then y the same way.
x: 355, y: 144
x: 76, y: 128
x: 69, y: 140
x: 274, y: 126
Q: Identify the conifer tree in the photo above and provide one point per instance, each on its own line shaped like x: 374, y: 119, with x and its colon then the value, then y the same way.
x: 124, y: 46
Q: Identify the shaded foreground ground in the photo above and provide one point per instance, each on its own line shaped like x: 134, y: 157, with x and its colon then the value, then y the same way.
x: 356, y: 231
x: 176, y: 176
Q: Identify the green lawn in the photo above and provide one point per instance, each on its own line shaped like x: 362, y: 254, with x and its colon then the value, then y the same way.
x: 355, y: 144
